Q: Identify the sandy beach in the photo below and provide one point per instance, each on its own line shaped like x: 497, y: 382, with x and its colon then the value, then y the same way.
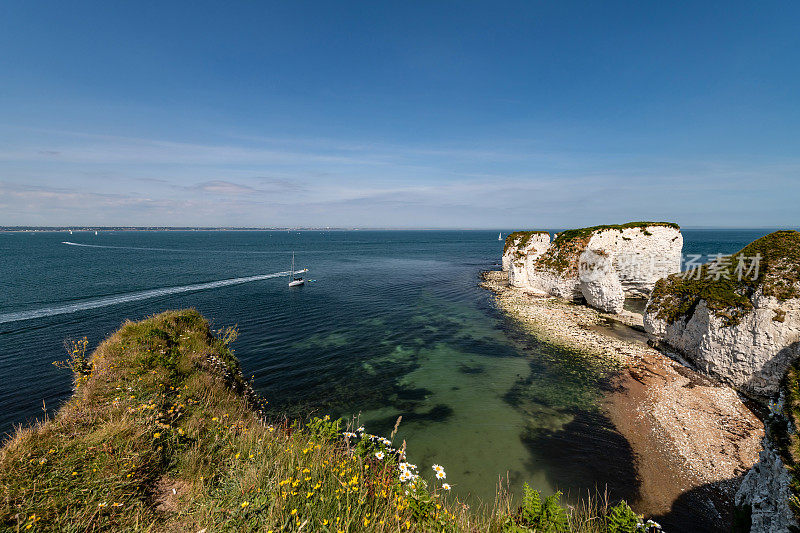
x: 692, y: 438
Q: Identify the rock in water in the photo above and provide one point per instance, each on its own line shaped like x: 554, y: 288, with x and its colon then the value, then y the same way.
x: 736, y: 318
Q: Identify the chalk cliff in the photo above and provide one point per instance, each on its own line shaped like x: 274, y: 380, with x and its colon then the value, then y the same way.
x: 521, y: 248
x: 601, y: 264
x: 766, y: 490
x: 736, y: 318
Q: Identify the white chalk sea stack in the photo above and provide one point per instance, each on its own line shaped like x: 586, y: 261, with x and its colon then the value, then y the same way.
x: 521, y: 248
x: 599, y: 283
x: 602, y: 265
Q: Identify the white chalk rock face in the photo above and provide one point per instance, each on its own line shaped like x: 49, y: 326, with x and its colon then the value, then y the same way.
x: 508, y: 255
x: 511, y: 249
x: 555, y: 284
x: 599, y: 282
x: 743, y: 331
x: 517, y: 275
x: 642, y: 257
x: 752, y: 355
x: 766, y: 489
x: 521, y: 249
x: 603, y: 265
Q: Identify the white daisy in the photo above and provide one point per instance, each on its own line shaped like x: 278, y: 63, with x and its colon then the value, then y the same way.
x: 440, y: 474
x: 446, y: 486
x: 379, y: 455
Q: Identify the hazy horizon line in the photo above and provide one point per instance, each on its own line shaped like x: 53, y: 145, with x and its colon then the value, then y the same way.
x: 13, y: 228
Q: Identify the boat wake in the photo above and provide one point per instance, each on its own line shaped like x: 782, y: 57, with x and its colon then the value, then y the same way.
x: 276, y: 252
x: 130, y: 297
x: 70, y: 243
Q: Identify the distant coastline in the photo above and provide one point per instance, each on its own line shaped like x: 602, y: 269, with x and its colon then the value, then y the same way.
x: 50, y: 229
x: 43, y: 229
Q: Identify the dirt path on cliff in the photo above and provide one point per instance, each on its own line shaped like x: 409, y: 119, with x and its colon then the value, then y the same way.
x: 693, y: 438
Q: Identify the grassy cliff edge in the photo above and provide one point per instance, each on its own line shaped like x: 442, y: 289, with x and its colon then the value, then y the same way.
x: 163, y: 433
x: 728, y: 292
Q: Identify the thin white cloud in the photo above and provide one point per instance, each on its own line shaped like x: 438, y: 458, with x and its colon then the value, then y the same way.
x: 223, y: 187
x: 122, y: 180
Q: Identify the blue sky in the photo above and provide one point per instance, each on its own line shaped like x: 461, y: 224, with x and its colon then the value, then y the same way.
x: 399, y: 114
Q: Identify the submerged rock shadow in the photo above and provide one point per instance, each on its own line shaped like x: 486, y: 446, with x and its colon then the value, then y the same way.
x: 437, y: 414
x: 588, y: 448
x: 708, y: 508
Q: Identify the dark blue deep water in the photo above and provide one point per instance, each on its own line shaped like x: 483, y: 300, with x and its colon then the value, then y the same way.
x: 395, y: 324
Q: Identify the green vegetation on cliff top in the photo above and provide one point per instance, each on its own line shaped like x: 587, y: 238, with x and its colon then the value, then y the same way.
x: 523, y: 238
x: 566, y: 248
x: 580, y: 233
x: 164, y: 434
x: 718, y: 284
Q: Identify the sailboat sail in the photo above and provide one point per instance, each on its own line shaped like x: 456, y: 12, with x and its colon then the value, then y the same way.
x: 294, y: 281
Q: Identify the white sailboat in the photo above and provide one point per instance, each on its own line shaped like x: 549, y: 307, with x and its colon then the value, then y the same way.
x: 499, y: 236
x: 295, y: 281
x: 95, y: 233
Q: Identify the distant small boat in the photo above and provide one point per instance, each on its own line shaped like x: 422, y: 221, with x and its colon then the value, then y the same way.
x: 295, y: 281
x: 499, y: 236
x: 95, y: 233
x: 70, y: 232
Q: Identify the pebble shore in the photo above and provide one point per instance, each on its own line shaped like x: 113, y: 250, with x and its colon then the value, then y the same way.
x: 693, y: 438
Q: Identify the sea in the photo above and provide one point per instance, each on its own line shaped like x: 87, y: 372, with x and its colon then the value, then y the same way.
x: 390, y: 324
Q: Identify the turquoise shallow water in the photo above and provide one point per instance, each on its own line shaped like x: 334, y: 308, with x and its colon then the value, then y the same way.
x: 395, y: 324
